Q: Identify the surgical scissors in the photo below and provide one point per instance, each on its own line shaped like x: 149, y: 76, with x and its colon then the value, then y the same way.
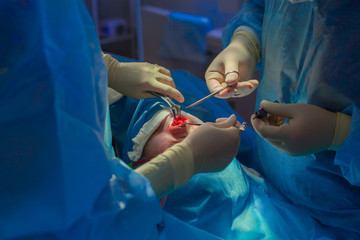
x: 175, y: 109
x: 217, y: 91
x: 206, y: 97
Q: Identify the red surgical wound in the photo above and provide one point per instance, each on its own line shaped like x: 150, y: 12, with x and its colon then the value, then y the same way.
x: 179, y: 121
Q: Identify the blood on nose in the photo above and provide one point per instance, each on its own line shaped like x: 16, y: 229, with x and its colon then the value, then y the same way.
x: 179, y: 121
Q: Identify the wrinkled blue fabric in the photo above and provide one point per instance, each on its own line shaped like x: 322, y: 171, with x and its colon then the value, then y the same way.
x: 310, y: 55
x: 41, y: 156
x: 120, y: 115
x: 59, y: 178
x: 231, y: 204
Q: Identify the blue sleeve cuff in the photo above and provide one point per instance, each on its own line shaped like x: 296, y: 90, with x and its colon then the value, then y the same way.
x: 250, y: 16
x: 348, y: 155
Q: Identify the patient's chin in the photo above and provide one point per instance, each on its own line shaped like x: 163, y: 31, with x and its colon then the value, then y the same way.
x: 150, y: 152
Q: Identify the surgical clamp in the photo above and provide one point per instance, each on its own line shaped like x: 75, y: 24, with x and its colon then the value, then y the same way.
x: 175, y: 109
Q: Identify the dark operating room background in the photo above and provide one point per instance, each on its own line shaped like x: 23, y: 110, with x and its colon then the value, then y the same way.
x: 179, y: 35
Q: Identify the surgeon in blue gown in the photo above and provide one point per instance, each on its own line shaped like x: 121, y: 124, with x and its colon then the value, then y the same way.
x: 308, y: 54
x: 59, y: 178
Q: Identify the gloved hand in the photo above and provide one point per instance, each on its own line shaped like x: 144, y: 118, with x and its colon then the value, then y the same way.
x: 135, y: 79
x: 310, y: 128
x: 219, y: 120
x: 214, y: 145
x: 234, y: 66
x: 208, y: 148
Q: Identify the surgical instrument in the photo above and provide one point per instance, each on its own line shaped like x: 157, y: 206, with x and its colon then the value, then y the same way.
x: 261, y: 112
x: 175, y: 109
x: 242, y: 127
x: 214, y: 93
x: 190, y: 123
x: 206, y: 97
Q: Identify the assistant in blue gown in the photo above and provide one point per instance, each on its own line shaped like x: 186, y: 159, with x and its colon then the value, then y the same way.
x: 59, y: 179
x: 310, y: 54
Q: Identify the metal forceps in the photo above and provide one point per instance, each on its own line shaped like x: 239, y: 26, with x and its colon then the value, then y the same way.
x: 175, y: 109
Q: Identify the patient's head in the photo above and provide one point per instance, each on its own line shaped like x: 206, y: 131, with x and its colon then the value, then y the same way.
x: 169, y: 132
x: 152, y: 131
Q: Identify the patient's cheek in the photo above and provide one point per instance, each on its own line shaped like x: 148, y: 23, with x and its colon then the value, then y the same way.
x: 179, y: 121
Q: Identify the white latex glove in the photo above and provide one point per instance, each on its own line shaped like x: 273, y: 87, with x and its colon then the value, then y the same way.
x: 214, y: 145
x: 135, y: 79
x: 310, y: 128
x: 237, y: 124
x: 238, y: 59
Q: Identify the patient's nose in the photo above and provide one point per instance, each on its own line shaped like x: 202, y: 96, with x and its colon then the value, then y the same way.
x: 178, y: 129
x: 179, y: 121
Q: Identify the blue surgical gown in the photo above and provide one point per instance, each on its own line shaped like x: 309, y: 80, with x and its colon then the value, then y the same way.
x: 59, y: 178
x: 310, y: 54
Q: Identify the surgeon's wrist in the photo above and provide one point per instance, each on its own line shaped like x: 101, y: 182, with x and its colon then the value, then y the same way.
x: 342, y: 130
x: 169, y: 170
x: 112, y: 66
x: 249, y: 40
x: 198, y: 160
x: 183, y: 163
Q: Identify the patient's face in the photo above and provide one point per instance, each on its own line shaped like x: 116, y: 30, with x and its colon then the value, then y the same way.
x: 166, y: 136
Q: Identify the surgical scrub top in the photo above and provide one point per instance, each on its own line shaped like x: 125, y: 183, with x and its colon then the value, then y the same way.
x: 59, y: 178
x: 310, y: 54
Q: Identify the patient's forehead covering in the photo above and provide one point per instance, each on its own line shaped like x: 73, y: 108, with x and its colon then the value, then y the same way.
x: 145, y: 133
x: 146, y: 119
x: 146, y: 110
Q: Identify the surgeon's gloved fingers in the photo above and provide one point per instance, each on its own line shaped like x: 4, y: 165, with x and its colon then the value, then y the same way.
x: 226, y: 122
x: 214, y: 145
x: 236, y: 123
x: 231, y: 77
x: 310, y: 128
x: 245, y: 88
x: 242, y: 89
x: 165, y: 79
x: 272, y: 134
x: 166, y: 90
x: 269, y: 132
x: 136, y: 79
x: 231, y: 73
x: 285, y: 110
x: 214, y: 81
x: 164, y: 70
x: 277, y: 136
x: 219, y: 120
x: 215, y: 73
